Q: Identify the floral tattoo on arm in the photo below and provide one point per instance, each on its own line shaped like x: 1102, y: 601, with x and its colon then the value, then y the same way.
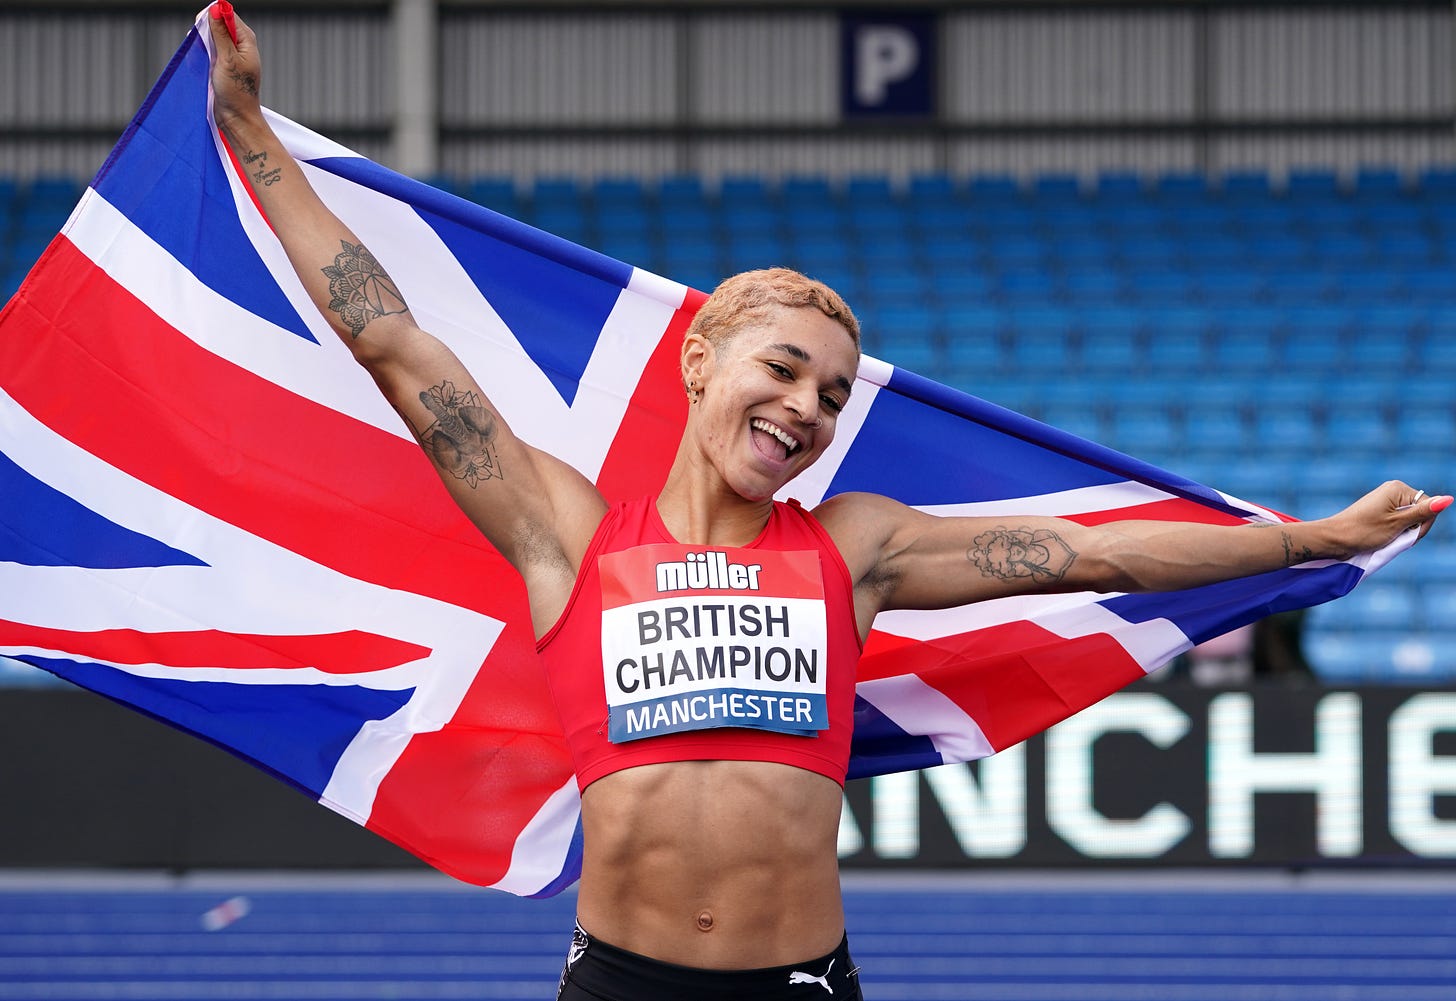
x: 360, y: 290
x: 1014, y: 553
x: 462, y: 438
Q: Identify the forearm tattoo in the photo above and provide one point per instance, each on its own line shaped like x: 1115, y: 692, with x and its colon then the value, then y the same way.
x: 1013, y: 553
x: 361, y: 290
x: 258, y: 166
x: 462, y: 438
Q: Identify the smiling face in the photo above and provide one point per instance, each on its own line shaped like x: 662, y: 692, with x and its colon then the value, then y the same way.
x: 769, y: 396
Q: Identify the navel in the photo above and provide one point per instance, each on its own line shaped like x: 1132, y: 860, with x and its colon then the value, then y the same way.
x: 705, y: 921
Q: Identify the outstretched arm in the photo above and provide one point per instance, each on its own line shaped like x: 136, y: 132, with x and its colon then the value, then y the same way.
x: 916, y: 560
x: 539, y: 512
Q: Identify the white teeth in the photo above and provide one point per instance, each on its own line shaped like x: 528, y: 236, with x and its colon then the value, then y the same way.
x: 788, y: 440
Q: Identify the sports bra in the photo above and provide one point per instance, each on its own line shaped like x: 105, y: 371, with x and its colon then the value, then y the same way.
x: 669, y: 652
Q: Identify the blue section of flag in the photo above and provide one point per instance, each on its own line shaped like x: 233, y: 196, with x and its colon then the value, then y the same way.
x: 169, y: 148
x: 928, y: 444
x: 1206, y: 612
x: 42, y: 527
x: 259, y: 722
x: 946, y: 457
x: 881, y: 747
x: 553, y: 295
x: 570, y: 869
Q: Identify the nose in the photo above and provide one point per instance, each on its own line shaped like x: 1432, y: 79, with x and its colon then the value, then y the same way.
x: 807, y: 413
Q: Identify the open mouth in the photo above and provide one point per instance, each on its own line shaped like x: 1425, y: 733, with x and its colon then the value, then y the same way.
x: 773, y: 439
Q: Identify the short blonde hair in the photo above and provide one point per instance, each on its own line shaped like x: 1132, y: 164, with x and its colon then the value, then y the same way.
x: 751, y: 298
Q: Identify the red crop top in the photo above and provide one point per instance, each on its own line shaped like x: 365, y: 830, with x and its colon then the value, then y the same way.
x: 667, y: 652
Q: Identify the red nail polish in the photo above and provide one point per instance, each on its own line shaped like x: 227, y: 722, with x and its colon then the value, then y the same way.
x: 1440, y: 504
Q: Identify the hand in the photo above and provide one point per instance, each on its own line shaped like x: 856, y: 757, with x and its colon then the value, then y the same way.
x: 237, y: 70
x: 1385, y: 512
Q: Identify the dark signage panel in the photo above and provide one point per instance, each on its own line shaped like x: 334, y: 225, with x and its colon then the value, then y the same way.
x: 1157, y: 775
x: 887, y: 65
x: 1175, y: 775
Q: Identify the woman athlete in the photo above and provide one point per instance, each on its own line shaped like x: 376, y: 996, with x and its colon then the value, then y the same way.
x: 710, y: 866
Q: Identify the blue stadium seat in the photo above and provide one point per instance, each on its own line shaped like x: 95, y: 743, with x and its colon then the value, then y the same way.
x: 1348, y: 433
x: 498, y: 193
x: 1182, y: 186
x: 1250, y: 184
x: 932, y: 190
x: 1121, y: 186
x: 626, y: 191
x: 1347, y: 658
x: 1146, y: 432
x: 1437, y: 182
x: 1040, y: 351
x: 1378, y: 605
x: 995, y: 188
x: 681, y: 190
x: 1108, y: 347
x: 743, y: 190
x: 1028, y: 285
x: 1378, y: 182
x: 1057, y: 187
x: 1286, y: 429
x: 1312, y: 183
x: 1082, y: 421
x: 1427, y: 430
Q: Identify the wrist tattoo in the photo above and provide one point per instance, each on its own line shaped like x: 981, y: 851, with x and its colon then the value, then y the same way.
x: 1011, y: 553
x: 261, y: 173
x: 1292, y: 556
x: 361, y: 290
x: 462, y: 438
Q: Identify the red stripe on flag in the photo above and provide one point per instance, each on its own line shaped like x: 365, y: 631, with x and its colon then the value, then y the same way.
x: 646, y: 441
x: 89, y: 360
x: 1014, y: 679
x: 92, y: 362
x: 350, y: 652
x: 1173, y: 509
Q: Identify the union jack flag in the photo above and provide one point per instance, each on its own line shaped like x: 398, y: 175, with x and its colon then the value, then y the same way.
x: 211, y: 515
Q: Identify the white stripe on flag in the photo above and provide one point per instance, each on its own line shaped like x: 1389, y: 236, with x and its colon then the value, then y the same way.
x: 919, y: 709
x: 543, y: 844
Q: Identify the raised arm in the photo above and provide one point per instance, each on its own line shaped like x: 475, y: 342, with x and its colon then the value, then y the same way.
x: 916, y: 560
x: 539, y: 512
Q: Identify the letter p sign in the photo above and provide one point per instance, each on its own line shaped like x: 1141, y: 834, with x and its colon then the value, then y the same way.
x: 888, y: 65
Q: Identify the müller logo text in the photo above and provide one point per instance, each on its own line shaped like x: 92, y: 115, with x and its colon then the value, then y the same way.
x: 707, y: 572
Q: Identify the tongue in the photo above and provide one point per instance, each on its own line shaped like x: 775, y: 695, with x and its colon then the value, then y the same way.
x: 770, y: 445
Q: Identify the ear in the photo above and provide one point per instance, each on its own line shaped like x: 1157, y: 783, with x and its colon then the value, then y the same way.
x: 697, y: 358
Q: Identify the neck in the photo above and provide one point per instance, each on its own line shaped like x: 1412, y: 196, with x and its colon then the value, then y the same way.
x: 699, y: 509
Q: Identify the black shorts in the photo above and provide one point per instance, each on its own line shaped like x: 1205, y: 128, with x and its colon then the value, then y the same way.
x: 596, y: 971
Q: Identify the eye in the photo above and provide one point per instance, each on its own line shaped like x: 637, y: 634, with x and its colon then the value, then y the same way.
x: 782, y: 371
x: 831, y: 404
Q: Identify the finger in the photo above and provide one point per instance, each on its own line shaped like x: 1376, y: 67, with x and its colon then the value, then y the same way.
x: 222, y: 11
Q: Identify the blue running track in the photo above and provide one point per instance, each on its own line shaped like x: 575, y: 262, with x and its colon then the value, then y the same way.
x: 1210, y: 937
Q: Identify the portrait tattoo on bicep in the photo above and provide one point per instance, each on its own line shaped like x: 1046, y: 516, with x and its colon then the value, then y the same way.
x: 361, y: 290
x: 462, y: 438
x: 1012, y: 553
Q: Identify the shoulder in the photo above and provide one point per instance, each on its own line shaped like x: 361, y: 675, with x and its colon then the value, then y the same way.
x: 864, y: 527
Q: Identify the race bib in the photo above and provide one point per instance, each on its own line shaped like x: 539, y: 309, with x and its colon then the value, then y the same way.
x: 694, y: 638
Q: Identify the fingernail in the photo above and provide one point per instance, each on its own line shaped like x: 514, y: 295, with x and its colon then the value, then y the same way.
x: 1440, y: 504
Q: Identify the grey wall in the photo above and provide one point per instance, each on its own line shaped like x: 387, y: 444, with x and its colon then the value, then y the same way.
x: 720, y: 88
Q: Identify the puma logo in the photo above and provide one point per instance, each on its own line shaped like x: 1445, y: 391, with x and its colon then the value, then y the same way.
x: 800, y: 977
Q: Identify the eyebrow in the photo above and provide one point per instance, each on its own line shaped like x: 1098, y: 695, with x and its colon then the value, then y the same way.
x: 794, y: 351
